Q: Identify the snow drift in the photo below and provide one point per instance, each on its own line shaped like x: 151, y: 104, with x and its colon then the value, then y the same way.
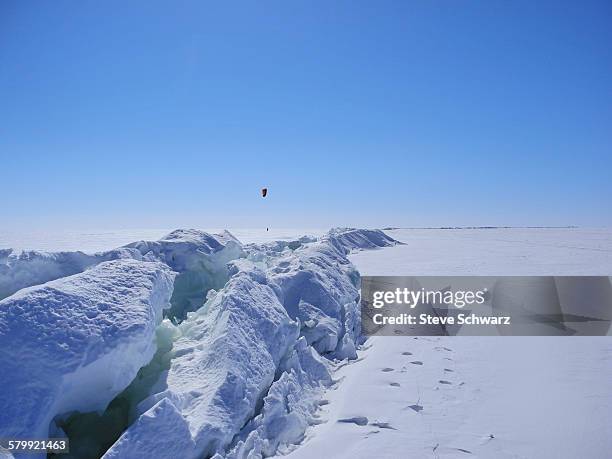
x: 81, y: 338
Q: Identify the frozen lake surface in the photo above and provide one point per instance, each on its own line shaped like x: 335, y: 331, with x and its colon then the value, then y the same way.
x: 492, y: 252
x: 442, y: 397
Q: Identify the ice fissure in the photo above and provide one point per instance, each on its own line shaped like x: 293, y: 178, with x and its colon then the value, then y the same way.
x: 199, y: 261
x: 199, y: 258
x: 91, y: 434
x: 248, y: 367
x: 251, y: 338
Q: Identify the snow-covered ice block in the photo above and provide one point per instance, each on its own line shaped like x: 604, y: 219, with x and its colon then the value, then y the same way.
x: 320, y: 330
x: 80, y: 340
x: 199, y: 256
x: 188, y: 249
x: 349, y: 239
x: 200, y: 259
x: 319, y: 286
x: 274, y: 248
x: 222, y: 366
x: 289, y: 407
x: 24, y: 269
x: 163, y: 423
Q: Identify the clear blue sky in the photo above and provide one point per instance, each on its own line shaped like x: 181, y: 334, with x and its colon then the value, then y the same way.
x: 166, y: 114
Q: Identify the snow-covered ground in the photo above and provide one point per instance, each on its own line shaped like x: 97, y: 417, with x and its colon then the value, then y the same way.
x: 459, y: 397
x: 492, y: 252
x: 260, y: 352
x: 487, y: 397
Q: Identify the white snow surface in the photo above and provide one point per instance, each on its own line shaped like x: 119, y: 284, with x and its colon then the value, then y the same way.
x: 492, y: 252
x: 268, y: 358
x: 74, y: 343
x: 486, y: 397
x: 458, y: 397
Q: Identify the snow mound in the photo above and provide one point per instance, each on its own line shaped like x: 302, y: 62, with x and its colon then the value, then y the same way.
x: 85, y: 337
x: 349, y: 239
x: 200, y: 259
x: 24, y: 269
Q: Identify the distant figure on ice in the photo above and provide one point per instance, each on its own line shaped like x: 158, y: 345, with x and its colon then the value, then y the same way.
x: 264, y: 193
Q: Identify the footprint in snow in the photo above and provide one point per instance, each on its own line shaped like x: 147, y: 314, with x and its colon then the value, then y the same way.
x: 442, y: 348
x: 449, y: 370
x: 467, y: 451
x: 383, y: 425
x: 406, y: 353
x: 444, y: 381
x: 394, y: 384
x: 358, y: 420
x: 416, y: 407
x: 387, y: 369
x: 487, y: 439
x: 416, y: 362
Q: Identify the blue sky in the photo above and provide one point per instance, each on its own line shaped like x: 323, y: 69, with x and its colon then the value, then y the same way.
x: 414, y: 113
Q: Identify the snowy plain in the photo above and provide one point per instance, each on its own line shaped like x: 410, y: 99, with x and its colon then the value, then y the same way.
x: 469, y: 397
x: 267, y: 357
x: 492, y: 252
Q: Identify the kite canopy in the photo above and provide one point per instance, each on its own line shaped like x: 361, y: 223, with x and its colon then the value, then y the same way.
x: 264, y: 192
